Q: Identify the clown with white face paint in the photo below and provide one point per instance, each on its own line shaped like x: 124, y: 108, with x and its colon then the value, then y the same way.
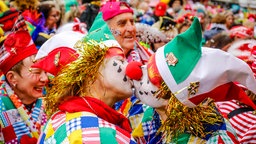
x: 190, y: 78
x: 84, y: 92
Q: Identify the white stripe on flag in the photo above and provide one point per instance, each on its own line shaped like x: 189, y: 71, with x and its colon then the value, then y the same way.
x: 215, y: 68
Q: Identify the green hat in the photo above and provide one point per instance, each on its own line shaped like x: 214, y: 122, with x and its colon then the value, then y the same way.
x: 100, y: 32
x: 184, y: 51
x: 194, y: 73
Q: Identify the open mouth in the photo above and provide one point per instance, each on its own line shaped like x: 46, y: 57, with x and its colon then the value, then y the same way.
x: 38, y: 89
x: 129, y: 37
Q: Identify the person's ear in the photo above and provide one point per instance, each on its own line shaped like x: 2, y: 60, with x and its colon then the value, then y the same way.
x: 11, y: 77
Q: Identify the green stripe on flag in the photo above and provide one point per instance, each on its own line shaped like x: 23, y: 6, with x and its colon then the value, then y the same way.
x: 186, y: 47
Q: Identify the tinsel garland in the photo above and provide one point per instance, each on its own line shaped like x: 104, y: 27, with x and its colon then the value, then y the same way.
x: 181, y: 119
x: 76, y: 78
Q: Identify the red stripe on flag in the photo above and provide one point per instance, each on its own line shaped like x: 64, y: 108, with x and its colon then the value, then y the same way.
x: 225, y: 92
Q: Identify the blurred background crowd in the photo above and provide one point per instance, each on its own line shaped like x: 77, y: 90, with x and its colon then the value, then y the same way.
x: 157, y: 21
x: 226, y: 25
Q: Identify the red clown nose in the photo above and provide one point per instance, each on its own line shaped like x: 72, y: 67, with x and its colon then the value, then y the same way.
x: 133, y: 70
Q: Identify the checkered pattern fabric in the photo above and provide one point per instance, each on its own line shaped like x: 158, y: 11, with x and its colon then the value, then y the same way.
x: 144, y: 120
x: 82, y: 127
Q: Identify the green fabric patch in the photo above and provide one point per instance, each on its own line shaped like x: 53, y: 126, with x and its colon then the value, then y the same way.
x: 186, y: 47
x: 148, y: 114
x: 182, y: 139
x: 107, y: 136
x: 8, y: 103
x: 60, y: 134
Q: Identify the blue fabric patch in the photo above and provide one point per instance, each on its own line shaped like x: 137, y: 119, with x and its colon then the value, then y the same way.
x: 136, y: 109
x: 214, y: 127
x: 42, y: 139
x: 88, y: 122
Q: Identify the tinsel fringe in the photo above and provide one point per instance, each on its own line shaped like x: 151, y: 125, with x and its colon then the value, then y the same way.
x: 181, y: 119
x: 78, y: 76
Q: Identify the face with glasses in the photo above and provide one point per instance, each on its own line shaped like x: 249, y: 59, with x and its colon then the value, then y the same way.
x: 28, y: 84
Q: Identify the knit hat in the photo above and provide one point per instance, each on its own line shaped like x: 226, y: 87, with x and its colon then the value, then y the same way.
x: 160, y: 9
x: 193, y: 73
x: 113, y: 8
x: 57, y: 52
x: 17, y: 46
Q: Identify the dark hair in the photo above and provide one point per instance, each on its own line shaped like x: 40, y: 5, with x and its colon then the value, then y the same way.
x: 219, y: 40
x: 172, y: 1
x: 46, y: 9
x: 89, y: 14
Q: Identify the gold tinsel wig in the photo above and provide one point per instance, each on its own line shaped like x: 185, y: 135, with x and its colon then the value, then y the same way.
x: 76, y: 78
x: 182, y: 119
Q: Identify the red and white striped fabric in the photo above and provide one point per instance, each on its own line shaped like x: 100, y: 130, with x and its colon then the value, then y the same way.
x: 243, y: 123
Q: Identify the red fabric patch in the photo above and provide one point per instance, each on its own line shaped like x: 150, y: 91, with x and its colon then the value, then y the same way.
x: 25, y: 139
x: 9, y: 133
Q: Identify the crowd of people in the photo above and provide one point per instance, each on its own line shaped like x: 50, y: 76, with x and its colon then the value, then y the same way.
x: 127, y: 71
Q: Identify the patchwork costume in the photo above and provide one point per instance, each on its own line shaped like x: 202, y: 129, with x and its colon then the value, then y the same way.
x: 77, y: 123
x: 19, y: 123
x: 16, y: 121
x: 84, y: 119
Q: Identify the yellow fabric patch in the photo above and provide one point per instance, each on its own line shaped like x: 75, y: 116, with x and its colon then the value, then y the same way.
x: 138, y: 131
x: 136, y: 120
x: 70, y: 116
x: 75, y: 137
x: 193, y: 139
x: 49, y: 130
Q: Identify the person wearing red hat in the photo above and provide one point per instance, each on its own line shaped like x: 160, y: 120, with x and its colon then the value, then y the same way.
x: 120, y: 19
x: 21, y: 87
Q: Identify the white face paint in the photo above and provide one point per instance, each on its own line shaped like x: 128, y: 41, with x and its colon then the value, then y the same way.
x: 114, y: 78
x: 145, y: 91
